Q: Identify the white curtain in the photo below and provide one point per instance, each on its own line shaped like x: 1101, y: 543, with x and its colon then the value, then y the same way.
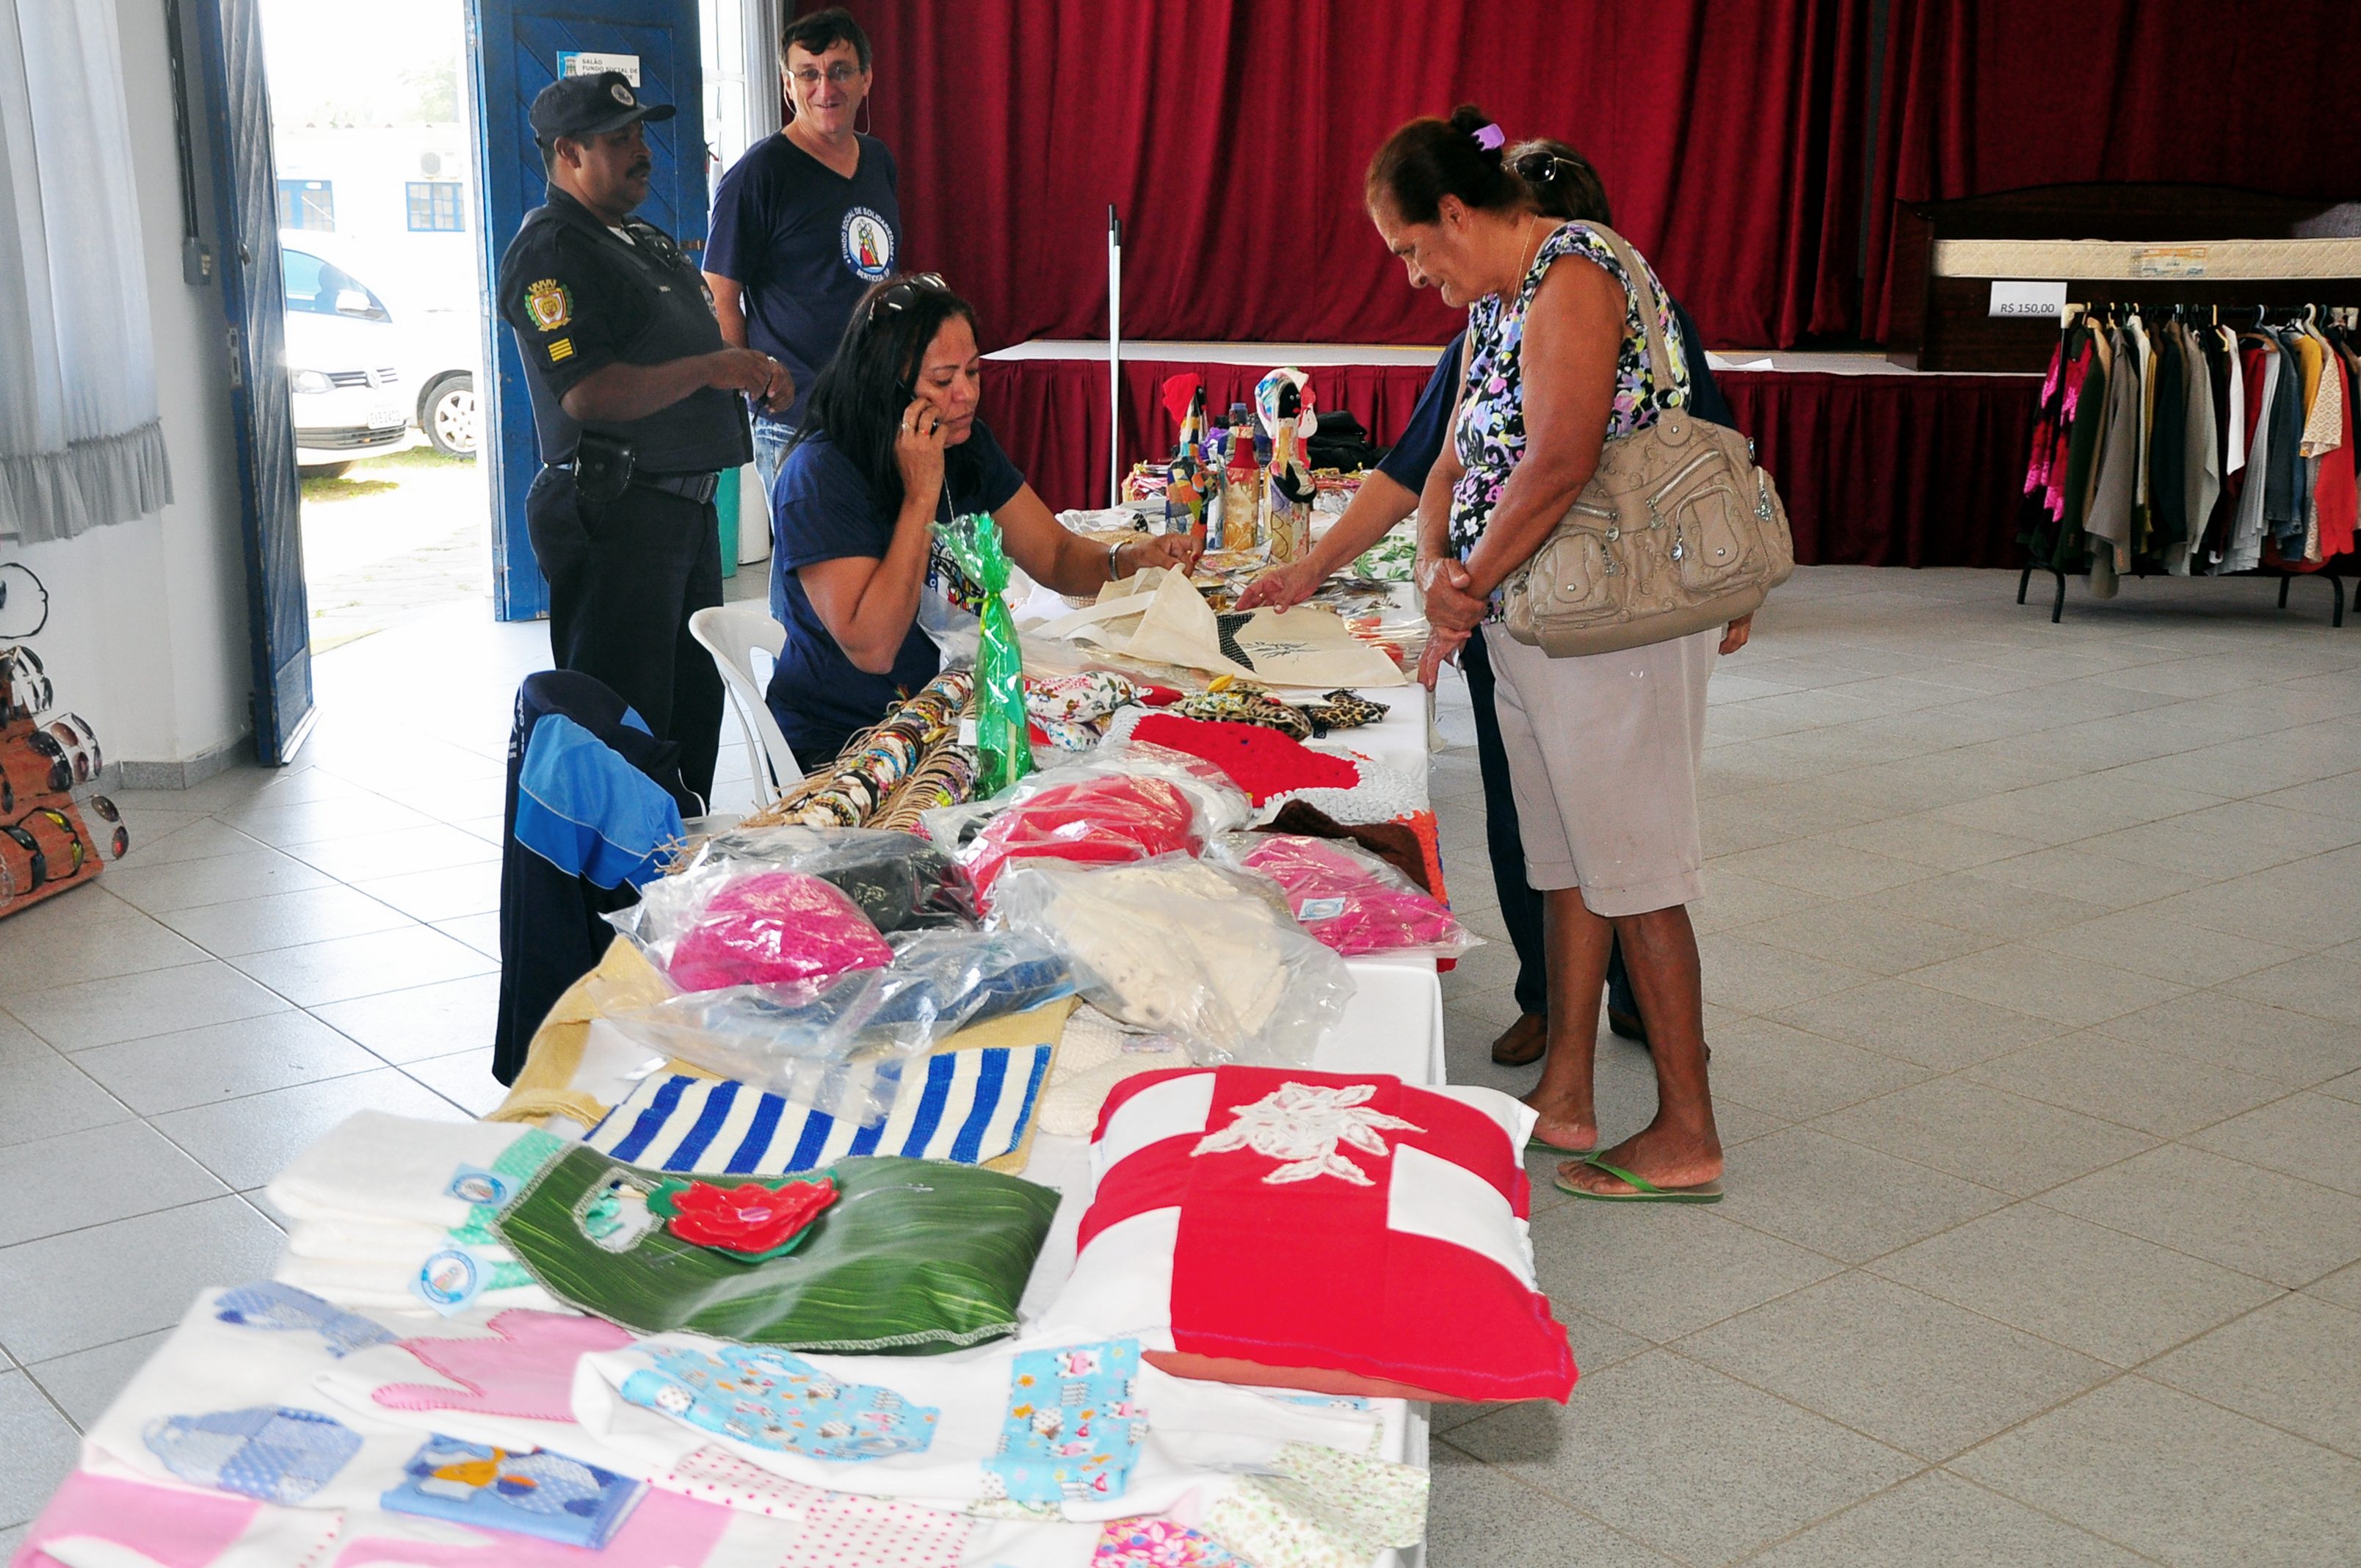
x: 79, y: 444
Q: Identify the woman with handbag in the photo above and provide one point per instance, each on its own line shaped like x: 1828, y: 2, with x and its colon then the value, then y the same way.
x: 1564, y: 365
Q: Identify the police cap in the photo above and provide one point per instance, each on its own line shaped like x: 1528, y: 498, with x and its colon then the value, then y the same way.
x: 581, y: 106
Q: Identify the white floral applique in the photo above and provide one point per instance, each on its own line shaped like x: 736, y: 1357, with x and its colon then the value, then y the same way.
x: 1301, y: 1123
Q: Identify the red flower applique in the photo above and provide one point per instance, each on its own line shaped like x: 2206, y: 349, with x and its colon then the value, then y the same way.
x: 749, y: 1220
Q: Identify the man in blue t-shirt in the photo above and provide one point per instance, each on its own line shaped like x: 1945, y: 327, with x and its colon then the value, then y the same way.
x: 805, y: 221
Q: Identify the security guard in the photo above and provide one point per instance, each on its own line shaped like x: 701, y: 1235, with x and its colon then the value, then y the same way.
x: 637, y: 402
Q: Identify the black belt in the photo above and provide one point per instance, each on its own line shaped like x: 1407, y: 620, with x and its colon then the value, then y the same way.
x: 698, y: 487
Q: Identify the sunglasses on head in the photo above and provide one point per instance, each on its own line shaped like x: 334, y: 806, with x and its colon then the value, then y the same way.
x: 900, y: 295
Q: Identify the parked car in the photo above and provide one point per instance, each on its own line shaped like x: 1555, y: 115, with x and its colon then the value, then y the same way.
x: 352, y: 363
x: 343, y: 388
x: 440, y: 352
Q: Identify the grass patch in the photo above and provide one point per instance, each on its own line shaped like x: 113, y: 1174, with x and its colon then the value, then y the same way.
x: 348, y: 488
x: 376, y: 476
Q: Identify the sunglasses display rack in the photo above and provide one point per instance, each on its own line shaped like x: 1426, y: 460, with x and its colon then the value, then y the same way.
x: 50, y: 841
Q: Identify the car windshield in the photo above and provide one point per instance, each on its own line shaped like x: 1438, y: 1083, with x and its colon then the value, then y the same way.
x: 325, y: 289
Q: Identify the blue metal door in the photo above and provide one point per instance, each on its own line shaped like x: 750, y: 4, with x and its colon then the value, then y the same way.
x: 246, y: 186
x: 516, y: 48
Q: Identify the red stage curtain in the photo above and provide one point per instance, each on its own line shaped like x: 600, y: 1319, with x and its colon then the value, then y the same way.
x: 1876, y: 470
x: 1233, y: 137
x: 1984, y: 95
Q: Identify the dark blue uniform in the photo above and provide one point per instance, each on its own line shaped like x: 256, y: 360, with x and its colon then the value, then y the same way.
x: 627, y: 567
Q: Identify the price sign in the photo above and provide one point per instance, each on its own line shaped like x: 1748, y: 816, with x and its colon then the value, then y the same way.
x: 2014, y: 297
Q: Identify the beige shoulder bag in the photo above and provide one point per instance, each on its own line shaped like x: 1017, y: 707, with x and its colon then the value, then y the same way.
x: 1676, y: 531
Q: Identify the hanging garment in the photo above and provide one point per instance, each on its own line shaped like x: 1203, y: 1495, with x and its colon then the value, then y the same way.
x: 2135, y: 333
x: 2201, y: 461
x: 2334, y: 497
x: 2259, y: 364
x: 2167, y: 501
x: 2284, y: 475
x: 2116, y: 476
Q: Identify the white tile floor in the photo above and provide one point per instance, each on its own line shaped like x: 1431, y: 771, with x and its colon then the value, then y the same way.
x: 2032, y: 955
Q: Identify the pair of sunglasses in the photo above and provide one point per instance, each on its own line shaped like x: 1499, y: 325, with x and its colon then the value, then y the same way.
x: 116, y: 842
x: 38, y: 859
x: 72, y: 747
x: 25, y: 686
x: 902, y: 295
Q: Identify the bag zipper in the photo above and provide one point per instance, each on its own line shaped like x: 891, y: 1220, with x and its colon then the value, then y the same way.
x: 1691, y: 466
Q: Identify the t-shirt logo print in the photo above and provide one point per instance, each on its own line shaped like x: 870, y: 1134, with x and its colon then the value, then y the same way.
x: 1302, y: 1124
x: 868, y: 242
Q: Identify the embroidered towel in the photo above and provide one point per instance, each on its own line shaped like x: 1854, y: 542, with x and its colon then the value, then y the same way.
x: 374, y: 1166
x: 230, y: 1404
x: 661, y: 1400
x: 974, y: 1107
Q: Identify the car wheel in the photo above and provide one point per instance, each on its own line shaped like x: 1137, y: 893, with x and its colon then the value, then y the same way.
x: 448, y: 415
x: 325, y: 470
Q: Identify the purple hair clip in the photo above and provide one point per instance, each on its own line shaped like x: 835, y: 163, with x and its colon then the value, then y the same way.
x: 1489, y: 137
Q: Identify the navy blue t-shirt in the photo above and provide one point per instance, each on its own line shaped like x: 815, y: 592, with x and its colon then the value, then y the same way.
x: 1430, y: 423
x: 822, y: 509
x: 803, y: 243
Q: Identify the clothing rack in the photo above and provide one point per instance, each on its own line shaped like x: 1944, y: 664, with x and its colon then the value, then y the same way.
x: 2196, y: 438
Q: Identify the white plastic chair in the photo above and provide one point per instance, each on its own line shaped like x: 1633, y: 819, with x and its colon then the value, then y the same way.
x: 745, y: 643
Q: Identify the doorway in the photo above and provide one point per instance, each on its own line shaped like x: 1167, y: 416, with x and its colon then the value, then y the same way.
x: 374, y: 151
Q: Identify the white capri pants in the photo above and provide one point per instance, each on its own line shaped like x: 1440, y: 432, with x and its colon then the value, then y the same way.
x: 1604, y: 753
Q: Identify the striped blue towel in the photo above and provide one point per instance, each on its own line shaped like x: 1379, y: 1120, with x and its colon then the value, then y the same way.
x: 969, y: 1106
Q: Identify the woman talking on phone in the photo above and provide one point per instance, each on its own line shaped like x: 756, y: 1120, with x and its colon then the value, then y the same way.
x: 891, y: 445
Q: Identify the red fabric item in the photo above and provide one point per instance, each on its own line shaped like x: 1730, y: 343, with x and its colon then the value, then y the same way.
x: 1985, y: 96
x: 1731, y: 147
x: 749, y: 1216
x: 1308, y: 1273
x: 1259, y: 760
x: 1098, y: 821
x: 776, y: 927
x: 1875, y: 470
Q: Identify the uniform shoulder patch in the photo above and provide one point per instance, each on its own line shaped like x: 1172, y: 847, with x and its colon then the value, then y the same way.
x: 550, y: 305
x: 561, y: 348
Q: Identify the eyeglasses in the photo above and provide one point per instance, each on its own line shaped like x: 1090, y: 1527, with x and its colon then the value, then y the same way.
x: 838, y: 75
x: 902, y: 294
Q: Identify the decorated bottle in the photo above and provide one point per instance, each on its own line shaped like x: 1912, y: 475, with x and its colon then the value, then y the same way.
x: 1241, y: 485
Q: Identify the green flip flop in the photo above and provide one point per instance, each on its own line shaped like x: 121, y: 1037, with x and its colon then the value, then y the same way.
x: 1533, y: 1144
x: 1645, y: 1191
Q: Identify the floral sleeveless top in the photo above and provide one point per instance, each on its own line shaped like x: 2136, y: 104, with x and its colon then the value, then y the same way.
x: 1490, y: 435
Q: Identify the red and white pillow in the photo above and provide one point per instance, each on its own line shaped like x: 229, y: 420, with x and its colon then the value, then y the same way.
x: 1327, y: 1232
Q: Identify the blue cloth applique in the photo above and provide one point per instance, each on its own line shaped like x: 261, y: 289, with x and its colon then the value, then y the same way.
x: 271, y: 1454
x: 539, y: 1494
x: 282, y: 1308
x: 772, y: 1398
x: 589, y: 812
x: 1071, y: 1430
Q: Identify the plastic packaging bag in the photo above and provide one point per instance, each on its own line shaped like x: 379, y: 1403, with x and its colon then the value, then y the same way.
x: 1220, y: 806
x: 731, y: 924
x: 901, y: 881
x: 1195, y: 951
x: 840, y: 1044
x: 1351, y: 902
x: 974, y: 543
